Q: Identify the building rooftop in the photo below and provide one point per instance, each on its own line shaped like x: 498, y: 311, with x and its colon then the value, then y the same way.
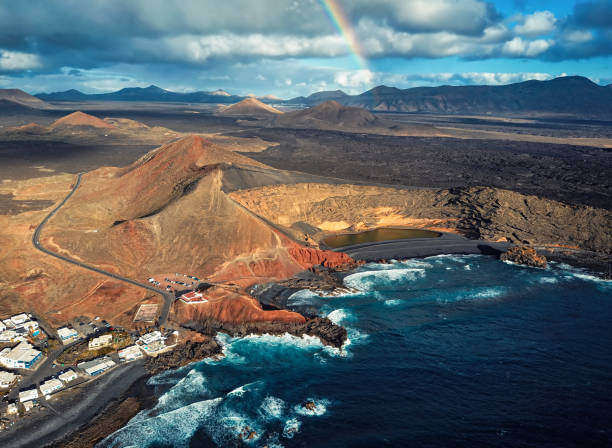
x: 66, y: 333
x: 24, y: 352
x: 7, y: 378
x: 67, y: 376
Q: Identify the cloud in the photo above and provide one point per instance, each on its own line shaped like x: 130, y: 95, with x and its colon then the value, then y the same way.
x: 354, y: 79
x: 578, y: 36
x: 596, y: 14
x: 536, y: 24
x: 468, y: 17
x: 15, y: 60
x: 467, y: 78
x: 523, y: 48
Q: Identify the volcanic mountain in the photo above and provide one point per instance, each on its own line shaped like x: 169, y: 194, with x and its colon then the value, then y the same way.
x: 168, y: 212
x: 79, y: 127
x: 17, y: 96
x: 332, y: 115
x: 81, y: 119
x: 250, y: 106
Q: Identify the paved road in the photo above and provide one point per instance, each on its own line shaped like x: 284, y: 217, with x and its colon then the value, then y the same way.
x: 448, y: 243
x: 168, y: 298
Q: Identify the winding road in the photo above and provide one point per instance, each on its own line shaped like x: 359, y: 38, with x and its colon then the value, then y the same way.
x: 168, y: 298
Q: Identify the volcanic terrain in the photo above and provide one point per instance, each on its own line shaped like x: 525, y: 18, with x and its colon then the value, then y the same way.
x: 331, y: 115
x: 251, y: 107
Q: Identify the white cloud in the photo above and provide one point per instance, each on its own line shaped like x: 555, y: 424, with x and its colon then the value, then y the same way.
x: 578, y: 36
x: 455, y: 16
x: 199, y: 49
x: 355, y: 79
x: 524, y: 48
x: 14, y: 60
x: 536, y: 24
x: 502, y: 78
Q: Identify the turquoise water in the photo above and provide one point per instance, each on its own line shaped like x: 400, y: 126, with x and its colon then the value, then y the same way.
x: 443, y: 351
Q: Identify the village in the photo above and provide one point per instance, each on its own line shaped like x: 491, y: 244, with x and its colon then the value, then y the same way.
x: 38, y: 362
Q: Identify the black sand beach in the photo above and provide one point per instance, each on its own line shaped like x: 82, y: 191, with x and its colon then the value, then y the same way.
x: 447, y: 243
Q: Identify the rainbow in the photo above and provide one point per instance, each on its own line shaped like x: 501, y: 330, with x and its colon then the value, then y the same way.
x: 340, y: 21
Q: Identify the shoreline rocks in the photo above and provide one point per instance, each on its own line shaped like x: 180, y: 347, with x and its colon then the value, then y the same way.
x: 524, y: 255
x: 321, y: 327
x: 181, y: 355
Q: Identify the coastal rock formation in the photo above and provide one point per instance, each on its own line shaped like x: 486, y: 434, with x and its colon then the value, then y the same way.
x: 524, y: 255
x: 320, y: 327
x: 183, y: 354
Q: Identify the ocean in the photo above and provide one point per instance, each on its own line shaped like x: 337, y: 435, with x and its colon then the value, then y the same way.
x: 461, y: 351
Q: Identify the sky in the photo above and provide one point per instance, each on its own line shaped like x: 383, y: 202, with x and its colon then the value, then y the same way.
x: 289, y: 48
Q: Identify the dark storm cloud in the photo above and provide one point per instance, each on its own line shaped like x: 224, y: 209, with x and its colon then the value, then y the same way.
x: 596, y: 14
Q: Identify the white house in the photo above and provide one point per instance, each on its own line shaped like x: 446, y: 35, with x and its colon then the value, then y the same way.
x: 27, y: 395
x: 130, y: 353
x: 67, y: 335
x: 67, y: 376
x: 101, y: 341
x: 7, y: 379
x: 19, y: 319
x: 50, y: 386
x: 151, y: 337
x: 2, y: 326
x: 11, y: 336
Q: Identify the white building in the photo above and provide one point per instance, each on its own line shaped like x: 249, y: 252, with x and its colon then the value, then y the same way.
x: 130, y: 353
x: 97, y: 366
x: 23, y: 356
x: 27, y: 395
x: 11, y: 409
x: 8, y: 323
x: 11, y: 336
x: 151, y: 337
x: 28, y: 405
x: 152, y: 343
x: 19, y: 319
x: 2, y: 327
x: 50, y: 386
x: 101, y: 341
x: 67, y: 335
x: 7, y: 379
x: 67, y: 376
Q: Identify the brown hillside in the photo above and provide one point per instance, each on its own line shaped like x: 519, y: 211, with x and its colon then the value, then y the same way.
x: 25, y: 99
x: 250, y: 106
x: 81, y: 119
x: 30, y: 129
x: 168, y: 213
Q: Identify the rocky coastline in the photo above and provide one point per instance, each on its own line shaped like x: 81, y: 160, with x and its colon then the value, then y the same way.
x: 321, y: 327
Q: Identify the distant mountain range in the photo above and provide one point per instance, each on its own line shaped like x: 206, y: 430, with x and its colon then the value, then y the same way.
x: 573, y: 95
x: 151, y: 93
x: 569, y: 95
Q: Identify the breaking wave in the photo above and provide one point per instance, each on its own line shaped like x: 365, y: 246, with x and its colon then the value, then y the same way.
x: 276, y: 391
